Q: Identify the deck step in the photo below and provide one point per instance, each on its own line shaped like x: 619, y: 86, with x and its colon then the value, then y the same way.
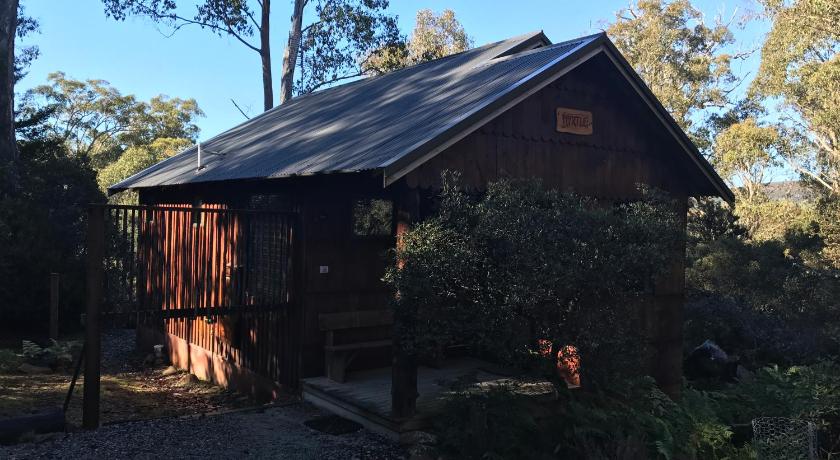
x: 384, y: 426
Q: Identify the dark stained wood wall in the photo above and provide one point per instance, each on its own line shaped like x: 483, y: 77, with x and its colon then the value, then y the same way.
x: 627, y: 146
x: 324, y: 203
x: 214, y: 259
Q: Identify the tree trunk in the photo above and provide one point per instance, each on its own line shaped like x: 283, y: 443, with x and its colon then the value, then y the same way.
x: 291, y: 53
x: 8, y: 146
x: 265, y: 56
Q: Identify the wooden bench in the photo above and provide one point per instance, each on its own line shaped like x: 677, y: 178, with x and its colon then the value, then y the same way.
x: 339, y: 356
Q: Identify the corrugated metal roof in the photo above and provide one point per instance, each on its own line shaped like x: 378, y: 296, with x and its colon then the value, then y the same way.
x: 395, y: 121
x: 363, y: 125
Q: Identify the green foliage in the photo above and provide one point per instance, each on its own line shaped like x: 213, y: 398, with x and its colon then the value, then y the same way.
x: 636, y: 420
x: 776, y: 298
x: 803, y: 392
x: 710, y: 219
x: 679, y: 57
x: 95, y: 120
x: 633, y: 421
x: 494, y: 423
x: 828, y: 219
x: 55, y: 355
x: 24, y: 55
x: 434, y: 36
x: 341, y: 34
x: 115, y: 134
x: 42, y: 229
x: 525, y: 263
x: 746, y: 151
x: 9, y: 360
x: 138, y: 158
x: 86, y: 115
x: 766, y: 219
x: 373, y: 217
x: 800, y: 64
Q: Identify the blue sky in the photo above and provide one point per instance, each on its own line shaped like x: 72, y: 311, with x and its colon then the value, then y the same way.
x: 137, y: 58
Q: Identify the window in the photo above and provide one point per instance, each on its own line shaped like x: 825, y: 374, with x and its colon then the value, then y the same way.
x: 372, y: 217
x: 272, y: 202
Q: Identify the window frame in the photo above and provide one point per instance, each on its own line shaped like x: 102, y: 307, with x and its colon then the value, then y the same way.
x: 352, y: 217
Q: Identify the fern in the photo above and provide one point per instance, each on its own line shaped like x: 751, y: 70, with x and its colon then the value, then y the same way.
x: 30, y: 349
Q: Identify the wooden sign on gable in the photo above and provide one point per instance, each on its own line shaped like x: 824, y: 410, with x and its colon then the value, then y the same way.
x: 574, y: 121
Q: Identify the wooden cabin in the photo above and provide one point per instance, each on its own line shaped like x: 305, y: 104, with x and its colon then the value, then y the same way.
x: 361, y: 162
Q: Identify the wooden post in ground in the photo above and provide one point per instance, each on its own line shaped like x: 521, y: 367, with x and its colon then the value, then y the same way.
x: 404, y: 364
x: 95, y: 254
x: 667, y: 306
x: 403, y: 382
x: 54, y: 306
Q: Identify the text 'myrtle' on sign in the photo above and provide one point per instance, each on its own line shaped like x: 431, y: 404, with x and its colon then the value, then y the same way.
x: 574, y: 121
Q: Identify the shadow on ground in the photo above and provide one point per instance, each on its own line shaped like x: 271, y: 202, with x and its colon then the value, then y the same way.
x: 130, y: 390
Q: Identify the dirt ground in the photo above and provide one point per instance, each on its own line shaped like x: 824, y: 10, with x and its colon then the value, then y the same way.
x: 147, y: 415
x: 130, y: 390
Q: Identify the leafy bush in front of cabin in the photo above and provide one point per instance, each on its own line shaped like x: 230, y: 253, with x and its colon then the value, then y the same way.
x: 525, y: 263
x: 636, y: 421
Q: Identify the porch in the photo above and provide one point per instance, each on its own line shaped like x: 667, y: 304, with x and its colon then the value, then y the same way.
x: 366, y: 395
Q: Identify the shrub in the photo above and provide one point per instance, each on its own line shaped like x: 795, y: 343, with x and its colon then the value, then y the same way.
x: 58, y: 355
x: 772, y: 300
x: 525, y: 263
x: 804, y: 392
x: 42, y: 230
x: 494, y: 423
x: 754, y: 337
x: 636, y: 421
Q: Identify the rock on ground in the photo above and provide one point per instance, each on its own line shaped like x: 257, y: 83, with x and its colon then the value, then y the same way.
x: 273, y: 433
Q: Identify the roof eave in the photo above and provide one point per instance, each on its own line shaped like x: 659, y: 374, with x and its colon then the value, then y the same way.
x: 114, y: 189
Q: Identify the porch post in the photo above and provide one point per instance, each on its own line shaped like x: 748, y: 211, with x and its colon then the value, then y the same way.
x: 404, y: 364
x: 666, y: 305
x: 403, y: 379
x: 95, y: 253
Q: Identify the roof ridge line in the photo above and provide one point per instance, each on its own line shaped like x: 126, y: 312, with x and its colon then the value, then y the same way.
x: 543, y: 49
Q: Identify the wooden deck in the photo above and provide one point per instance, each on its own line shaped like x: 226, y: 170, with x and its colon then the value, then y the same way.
x: 366, y: 395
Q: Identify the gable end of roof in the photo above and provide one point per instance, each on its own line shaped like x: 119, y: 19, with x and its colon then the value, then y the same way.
x: 596, y: 44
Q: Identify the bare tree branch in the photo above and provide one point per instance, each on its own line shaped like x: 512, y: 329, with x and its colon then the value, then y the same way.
x: 240, y: 109
x: 154, y: 14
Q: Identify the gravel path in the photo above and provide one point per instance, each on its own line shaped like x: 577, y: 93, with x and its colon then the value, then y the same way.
x: 274, y: 433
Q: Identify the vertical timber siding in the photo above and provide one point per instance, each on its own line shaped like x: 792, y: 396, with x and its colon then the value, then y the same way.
x: 219, y: 283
